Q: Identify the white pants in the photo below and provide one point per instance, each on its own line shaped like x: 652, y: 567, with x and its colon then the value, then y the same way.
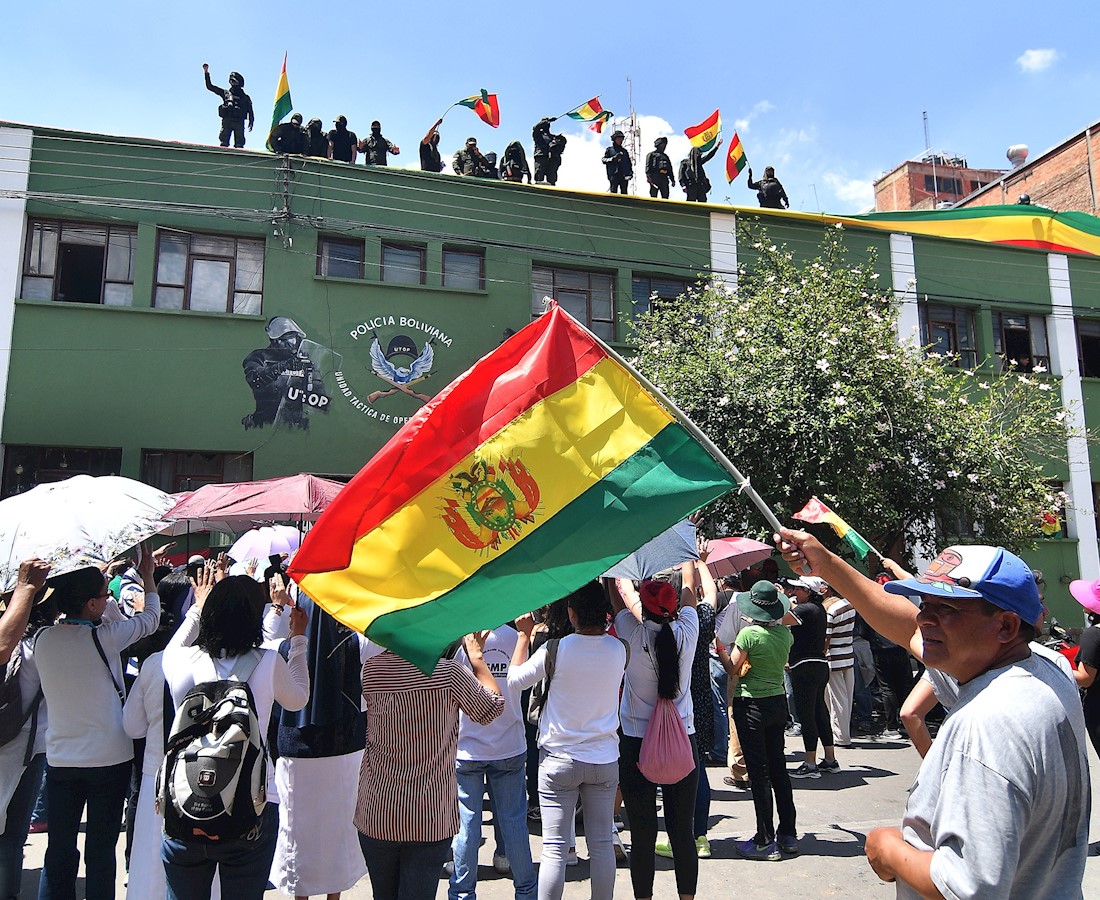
x: 838, y: 695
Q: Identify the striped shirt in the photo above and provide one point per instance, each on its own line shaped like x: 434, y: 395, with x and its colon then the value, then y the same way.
x: 407, y: 787
x: 840, y: 633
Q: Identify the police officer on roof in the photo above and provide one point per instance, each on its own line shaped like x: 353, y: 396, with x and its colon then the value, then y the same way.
x: 342, y: 143
x: 316, y: 140
x: 658, y: 169
x: 769, y: 190
x: 236, y: 106
x: 375, y: 147
x: 548, y: 150
x: 289, y: 137
x: 470, y: 160
x: 430, y: 160
x: 619, y: 167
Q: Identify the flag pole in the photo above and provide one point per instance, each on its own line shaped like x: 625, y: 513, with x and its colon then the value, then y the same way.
x: 447, y: 110
x: 743, y: 482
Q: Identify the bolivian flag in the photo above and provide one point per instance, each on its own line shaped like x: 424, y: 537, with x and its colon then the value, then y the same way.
x: 529, y: 475
x: 283, y: 104
x: 485, y: 105
x: 705, y: 135
x: 735, y: 159
x: 587, y: 112
x: 599, y: 122
x: 816, y: 512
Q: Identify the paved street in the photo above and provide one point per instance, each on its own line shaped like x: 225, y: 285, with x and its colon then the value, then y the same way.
x: 834, y: 813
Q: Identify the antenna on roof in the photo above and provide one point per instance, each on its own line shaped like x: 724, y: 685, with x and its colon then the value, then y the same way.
x: 628, y: 124
x: 927, y: 136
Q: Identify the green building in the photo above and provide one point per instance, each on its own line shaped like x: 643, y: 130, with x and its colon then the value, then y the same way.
x: 184, y: 314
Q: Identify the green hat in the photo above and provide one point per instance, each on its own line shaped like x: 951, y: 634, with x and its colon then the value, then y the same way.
x: 763, y: 603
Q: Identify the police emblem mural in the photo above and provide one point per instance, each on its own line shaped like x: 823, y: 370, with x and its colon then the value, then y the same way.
x: 287, y: 377
x: 491, y: 504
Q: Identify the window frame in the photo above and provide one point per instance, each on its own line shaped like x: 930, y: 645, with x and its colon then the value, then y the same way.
x: 590, y: 322
x: 192, y: 256
x: 324, y: 241
x: 24, y: 463
x: 420, y: 249
x: 478, y: 252
x: 1078, y: 321
x: 105, y: 281
x: 636, y: 308
x: 999, y: 342
x: 967, y: 356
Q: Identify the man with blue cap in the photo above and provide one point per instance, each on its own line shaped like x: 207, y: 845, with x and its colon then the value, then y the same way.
x: 1000, y: 806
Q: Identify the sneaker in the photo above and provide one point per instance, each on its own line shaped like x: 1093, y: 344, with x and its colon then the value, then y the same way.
x: 500, y: 864
x: 806, y: 771
x: 534, y: 814
x: 741, y: 784
x: 751, y: 850
x: 571, y: 858
x: 618, y: 823
x: 702, y: 847
x: 794, y: 730
x: 617, y: 846
x: 448, y: 868
x: 787, y: 843
x: 663, y: 848
x: 828, y: 765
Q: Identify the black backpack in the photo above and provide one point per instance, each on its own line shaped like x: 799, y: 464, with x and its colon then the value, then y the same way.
x: 212, y: 785
x: 12, y: 717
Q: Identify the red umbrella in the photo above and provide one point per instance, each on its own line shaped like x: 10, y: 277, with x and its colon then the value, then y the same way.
x: 239, y: 505
x: 729, y: 555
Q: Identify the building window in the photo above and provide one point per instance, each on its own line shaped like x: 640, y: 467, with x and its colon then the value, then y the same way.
x: 941, y: 185
x: 1088, y: 347
x: 209, y: 273
x: 404, y: 263
x: 185, y: 470
x: 647, y: 291
x: 79, y: 263
x: 587, y: 296
x: 26, y: 466
x: 949, y: 331
x: 340, y: 258
x: 1020, y: 341
x: 463, y: 269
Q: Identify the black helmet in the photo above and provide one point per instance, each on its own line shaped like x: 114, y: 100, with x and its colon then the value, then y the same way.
x: 236, y: 79
x: 297, y: 117
x: 279, y: 326
x: 1025, y: 200
x: 660, y: 141
x: 617, y: 134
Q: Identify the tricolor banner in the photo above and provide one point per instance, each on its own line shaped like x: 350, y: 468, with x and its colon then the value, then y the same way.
x: 283, y: 103
x: 537, y: 470
x: 486, y: 107
x: 735, y: 159
x: 705, y: 135
x: 817, y: 512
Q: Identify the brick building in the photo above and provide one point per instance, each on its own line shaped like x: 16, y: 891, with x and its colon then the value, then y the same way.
x: 933, y: 182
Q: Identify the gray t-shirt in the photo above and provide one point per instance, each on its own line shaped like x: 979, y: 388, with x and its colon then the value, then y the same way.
x: 1003, y: 796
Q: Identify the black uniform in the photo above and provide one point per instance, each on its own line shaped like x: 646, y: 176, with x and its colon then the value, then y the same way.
x: 316, y: 141
x: 693, y: 178
x: 619, y: 168
x: 236, y: 106
x: 548, y: 150
x: 658, y: 172
x: 514, y: 165
x: 376, y: 148
x: 770, y: 193
x: 289, y: 138
x: 343, y: 142
x: 430, y: 160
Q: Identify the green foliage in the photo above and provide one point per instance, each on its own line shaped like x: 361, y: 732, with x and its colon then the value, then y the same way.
x: 798, y: 376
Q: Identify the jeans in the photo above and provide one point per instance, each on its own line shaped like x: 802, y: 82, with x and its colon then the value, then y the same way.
x: 809, y: 680
x: 243, y: 863
x: 702, y: 797
x: 792, y: 710
x: 506, y: 779
x: 561, y: 782
x: 18, y: 825
x: 406, y: 870
x: 719, y: 680
x: 760, y: 722
x: 39, y: 814
x: 103, y: 790
x: 640, y: 799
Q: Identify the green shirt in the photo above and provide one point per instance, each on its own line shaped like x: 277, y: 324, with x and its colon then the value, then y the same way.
x: 767, y: 649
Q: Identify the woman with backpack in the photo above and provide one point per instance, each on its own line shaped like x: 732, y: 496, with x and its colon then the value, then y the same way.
x: 578, y: 740
x: 661, y: 628
x: 227, y: 649
x: 755, y: 664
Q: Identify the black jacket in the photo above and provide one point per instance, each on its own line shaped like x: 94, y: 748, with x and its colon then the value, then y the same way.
x: 618, y: 163
x: 289, y: 138
x: 770, y: 193
x: 658, y: 164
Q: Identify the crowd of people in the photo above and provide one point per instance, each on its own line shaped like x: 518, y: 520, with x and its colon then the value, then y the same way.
x: 343, y: 145
x: 228, y: 716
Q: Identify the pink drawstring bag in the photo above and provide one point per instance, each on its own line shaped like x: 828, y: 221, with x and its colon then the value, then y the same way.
x: 665, y: 756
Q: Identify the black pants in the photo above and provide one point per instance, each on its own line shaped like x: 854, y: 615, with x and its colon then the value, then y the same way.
x: 808, y: 682
x: 546, y: 169
x: 640, y: 800
x: 232, y: 128
x: 658, y: 183
x: 618, y: 185
x: 895, y: 672
x: 696, y: 194
x: 760, y: 724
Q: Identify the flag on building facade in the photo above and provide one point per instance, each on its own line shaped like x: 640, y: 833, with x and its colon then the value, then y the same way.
x: 535, y: 471
x: 283, y: 103
x: 735, y: 159
x: 587, y: 112
x: 705, y: 135
x: 485, y: 105
x: 815, y: 512
x: 598, y: 123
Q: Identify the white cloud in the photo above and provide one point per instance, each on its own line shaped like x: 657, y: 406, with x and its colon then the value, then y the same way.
x: 1037, y: 60
x: 859, y: 192
x: 762, y: 106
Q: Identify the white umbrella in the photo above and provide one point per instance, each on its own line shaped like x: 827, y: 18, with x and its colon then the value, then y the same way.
x: 80, y: 522
x: 260, y: 543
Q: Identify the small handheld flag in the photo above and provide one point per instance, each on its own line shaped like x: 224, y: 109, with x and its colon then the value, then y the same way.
x: 283, y: 103
x: 735, y: 159
x: 587, y: 112
x: 815, y: 512
x: 705, y: 135
x: 485, y: 105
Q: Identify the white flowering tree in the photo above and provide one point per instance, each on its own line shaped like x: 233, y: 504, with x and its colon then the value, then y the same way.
x: 799, y: 378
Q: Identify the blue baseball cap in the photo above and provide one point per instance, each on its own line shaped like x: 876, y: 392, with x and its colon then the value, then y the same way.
x: 978, y: 572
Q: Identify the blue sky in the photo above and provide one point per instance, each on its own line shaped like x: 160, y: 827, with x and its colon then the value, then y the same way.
x: 830, y: 94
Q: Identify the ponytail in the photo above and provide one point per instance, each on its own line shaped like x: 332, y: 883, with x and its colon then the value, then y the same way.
x: 668, y: 663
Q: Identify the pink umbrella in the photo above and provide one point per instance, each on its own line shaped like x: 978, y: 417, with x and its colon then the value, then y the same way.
x: 239, y: 505
x: 729, y: 555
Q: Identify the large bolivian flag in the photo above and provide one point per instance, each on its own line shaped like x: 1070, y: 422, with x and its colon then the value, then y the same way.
x: 535, y: 471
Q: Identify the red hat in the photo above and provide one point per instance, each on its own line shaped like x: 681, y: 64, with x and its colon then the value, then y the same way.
x: 659, y: 598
